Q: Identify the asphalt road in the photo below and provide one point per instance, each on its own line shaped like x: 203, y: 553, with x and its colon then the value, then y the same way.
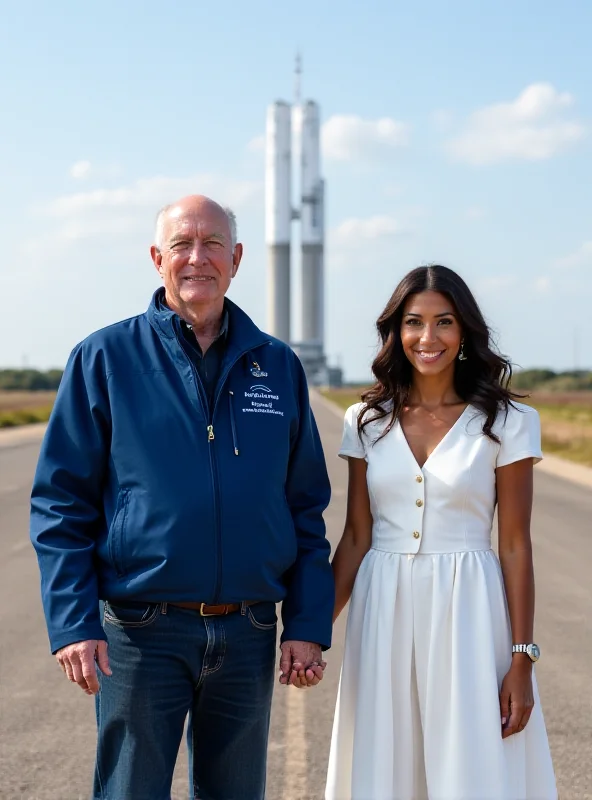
x: 47, y: 725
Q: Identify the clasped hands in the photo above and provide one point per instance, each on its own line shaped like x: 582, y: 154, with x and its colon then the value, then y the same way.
x: 301, y: 664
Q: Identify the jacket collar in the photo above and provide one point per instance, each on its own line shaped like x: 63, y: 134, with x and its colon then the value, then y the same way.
x: 243, y: 334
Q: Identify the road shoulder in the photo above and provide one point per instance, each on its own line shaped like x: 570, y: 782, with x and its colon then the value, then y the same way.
x: 22, y: 434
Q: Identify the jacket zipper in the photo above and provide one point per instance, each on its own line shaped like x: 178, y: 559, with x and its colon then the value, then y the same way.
x: 232, y: 422
x: 211, y: 438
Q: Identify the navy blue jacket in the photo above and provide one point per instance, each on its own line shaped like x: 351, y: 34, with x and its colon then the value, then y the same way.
x: 142, y: 493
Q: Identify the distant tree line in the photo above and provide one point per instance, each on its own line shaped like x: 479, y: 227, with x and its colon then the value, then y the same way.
x: 546, y: 380
x: 29, y: 380
x: 542, y: 380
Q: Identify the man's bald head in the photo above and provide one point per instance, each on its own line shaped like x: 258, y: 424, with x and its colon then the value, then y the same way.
x: 193, y: 202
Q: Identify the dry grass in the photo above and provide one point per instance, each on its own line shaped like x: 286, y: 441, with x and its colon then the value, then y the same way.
x: 17, y: 401
x: 566, y: 420
x: 23, y: 408
x: 563, y: 399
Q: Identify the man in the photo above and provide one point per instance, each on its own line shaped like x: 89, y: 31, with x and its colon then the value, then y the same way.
x: 182, y: 483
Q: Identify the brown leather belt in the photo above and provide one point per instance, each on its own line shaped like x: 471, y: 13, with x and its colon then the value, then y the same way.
x: 212, y: 611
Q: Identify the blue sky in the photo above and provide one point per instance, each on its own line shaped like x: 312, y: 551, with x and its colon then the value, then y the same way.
x: 455, y: 132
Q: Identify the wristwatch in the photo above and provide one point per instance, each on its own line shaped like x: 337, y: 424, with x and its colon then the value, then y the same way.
x: 533, y: 651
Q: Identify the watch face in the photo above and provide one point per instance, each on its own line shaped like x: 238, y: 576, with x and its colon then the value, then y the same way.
x: 534, y: 652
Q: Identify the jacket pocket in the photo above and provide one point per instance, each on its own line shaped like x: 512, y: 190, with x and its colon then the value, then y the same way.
x: 117, y: 532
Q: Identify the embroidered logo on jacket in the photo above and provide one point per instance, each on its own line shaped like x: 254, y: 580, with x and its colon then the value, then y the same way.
x: 262, y: 398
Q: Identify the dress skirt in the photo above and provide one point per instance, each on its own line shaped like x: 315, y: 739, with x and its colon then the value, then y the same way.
x: 418, y: 716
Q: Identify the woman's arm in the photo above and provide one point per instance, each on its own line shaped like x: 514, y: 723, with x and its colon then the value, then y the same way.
x: 514, y: 492
x: 357, y: 534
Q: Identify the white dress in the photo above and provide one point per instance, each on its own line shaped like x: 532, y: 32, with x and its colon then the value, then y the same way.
x: 428, y: 638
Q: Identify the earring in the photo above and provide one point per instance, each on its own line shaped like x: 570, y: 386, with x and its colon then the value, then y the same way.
x: 461, y: 355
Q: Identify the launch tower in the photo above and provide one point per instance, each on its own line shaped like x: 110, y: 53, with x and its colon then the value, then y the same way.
x: 296, y: 128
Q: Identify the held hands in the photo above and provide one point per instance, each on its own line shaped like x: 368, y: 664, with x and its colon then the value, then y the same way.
x: 78, y: 662
x: 301, y: 664
x: 516, y: 696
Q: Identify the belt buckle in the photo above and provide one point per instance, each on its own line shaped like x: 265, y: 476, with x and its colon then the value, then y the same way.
x: 201, y: 611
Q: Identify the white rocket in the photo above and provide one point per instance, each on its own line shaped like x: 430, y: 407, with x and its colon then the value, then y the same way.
x: 312, y: 232
x: 278, y: 217
x: 279, y: 214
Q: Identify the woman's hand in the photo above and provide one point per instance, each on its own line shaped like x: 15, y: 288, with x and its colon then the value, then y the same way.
x: 516, y: 696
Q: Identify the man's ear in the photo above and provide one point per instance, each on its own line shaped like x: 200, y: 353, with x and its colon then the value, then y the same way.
x: 156, y: 256
x: 236, y: 258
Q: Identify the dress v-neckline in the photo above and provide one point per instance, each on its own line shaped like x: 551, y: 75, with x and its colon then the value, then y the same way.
x: 440, y: 443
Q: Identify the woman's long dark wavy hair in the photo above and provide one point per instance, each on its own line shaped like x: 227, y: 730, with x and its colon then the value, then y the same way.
x: 481, y: 380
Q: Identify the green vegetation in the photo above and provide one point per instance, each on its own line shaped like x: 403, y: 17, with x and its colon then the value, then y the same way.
x: 345, y: 397
x: 29, y: 380
x: 578, y: 450
x: 26, y: 395
x: 545, y: 380
x: 578, y: 414
x: 22, y: 407
x: 566, y: 428
x: 24, y: 416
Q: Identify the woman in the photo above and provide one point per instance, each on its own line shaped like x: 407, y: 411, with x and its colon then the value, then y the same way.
x: 433, y: 702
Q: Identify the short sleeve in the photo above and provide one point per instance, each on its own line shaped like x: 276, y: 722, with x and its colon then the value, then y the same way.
x: 520, y: 435
x: 352, y: 445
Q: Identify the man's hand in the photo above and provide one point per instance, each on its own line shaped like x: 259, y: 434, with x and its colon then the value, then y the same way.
x: 301, y: 664
x: 78, y: 662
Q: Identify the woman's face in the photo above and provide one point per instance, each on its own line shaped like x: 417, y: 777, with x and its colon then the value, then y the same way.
x: 430, y: 332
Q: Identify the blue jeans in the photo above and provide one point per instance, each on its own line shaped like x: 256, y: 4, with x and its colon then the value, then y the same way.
x: 169, y: 662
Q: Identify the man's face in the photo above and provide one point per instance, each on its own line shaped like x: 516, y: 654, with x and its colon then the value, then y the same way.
x: 196, y: 260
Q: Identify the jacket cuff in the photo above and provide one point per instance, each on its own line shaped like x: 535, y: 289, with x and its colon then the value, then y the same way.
x: 299, y: 632
x: 80, y: 634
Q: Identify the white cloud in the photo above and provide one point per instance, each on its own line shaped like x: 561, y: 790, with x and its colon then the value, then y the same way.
x: 363, y: 238
x: 532, y: 127
x: 151, y: 192
x: 582, y: 257
x: 124, y: 216
x: 80, y: 170
x: 148, y: 193
x: 347, y: 137
x: 354, y: 230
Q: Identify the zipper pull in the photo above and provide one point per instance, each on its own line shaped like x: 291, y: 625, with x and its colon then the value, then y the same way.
x: 210, y: 433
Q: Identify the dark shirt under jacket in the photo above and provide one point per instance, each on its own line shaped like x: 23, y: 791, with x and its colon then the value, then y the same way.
x: 207, y: 365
